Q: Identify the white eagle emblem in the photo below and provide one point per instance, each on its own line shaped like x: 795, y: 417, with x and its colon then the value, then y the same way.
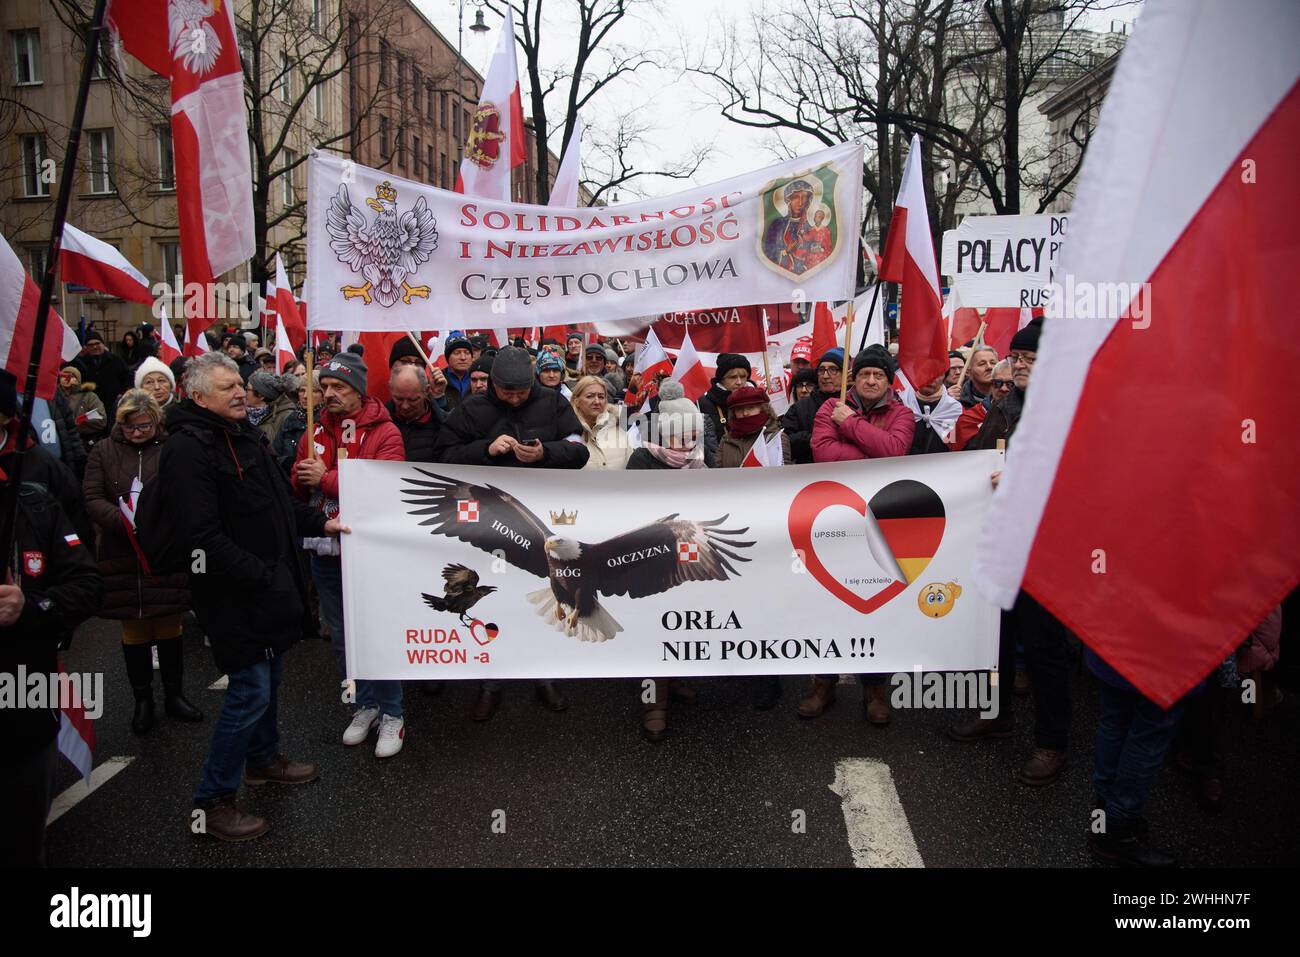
x: 193, y: 40
x: 386, y: 251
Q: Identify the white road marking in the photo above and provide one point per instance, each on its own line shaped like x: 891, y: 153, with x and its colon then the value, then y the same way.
x: 69, y: 799
x: 879, y: 835
x: 221, y: 684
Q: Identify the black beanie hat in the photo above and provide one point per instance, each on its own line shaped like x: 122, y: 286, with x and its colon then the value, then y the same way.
x: 402, y: 348
x: 512, y: 368
x: 483, y: 363
x: 1026, y: 340
x: 874, y: 356
x: 8, y: 393
x: 357, y: 349
x: 346, y: 367
x: 728, y: 361
x: 454, y: 343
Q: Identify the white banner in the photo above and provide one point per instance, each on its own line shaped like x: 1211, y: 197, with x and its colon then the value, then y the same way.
x: 389, y: 253
x: 1003, y: 261
x: 474, y: 572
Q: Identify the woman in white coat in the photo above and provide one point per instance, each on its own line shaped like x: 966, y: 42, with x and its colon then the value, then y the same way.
x: 602, y: 433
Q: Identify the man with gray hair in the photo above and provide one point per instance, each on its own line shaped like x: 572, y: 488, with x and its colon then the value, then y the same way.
x: 239, y: 525
x: 416, y: 417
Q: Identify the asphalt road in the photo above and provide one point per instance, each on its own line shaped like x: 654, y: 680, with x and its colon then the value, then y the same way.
x: 582, y: 788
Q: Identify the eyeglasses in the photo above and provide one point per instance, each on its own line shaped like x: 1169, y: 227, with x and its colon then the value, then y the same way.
x: 137, y: 429
x: 1026, y: 357
x: 829, y: 370
x: 1003, y: 383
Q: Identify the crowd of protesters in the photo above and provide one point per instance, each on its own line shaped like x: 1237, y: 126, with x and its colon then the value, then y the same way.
x: 222, y: 441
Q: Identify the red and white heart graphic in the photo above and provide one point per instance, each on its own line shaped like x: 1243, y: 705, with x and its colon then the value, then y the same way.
x: 910, y: 520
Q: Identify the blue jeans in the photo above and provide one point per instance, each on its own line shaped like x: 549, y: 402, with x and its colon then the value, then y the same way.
x: 328, y: 574
x: 246, y: 730
x: 1133, y: 735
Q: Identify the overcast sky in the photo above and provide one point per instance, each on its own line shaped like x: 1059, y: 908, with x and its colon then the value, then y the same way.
x: 678, y: 106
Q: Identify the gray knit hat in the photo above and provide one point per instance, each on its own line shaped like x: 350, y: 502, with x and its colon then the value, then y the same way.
x: 347, y: 367
x: 513, y: 368
x: 266, y: 384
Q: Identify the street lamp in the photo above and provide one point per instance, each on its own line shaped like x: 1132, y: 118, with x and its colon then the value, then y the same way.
x: 478, y: 26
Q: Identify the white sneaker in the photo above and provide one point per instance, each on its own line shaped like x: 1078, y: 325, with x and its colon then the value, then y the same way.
x: 362, y: 722
x: 155, y: 656
x: 391, y: 733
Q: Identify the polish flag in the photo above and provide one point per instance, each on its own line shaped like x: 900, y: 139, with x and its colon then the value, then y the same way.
x: 565, y: 191
x: 196, y: 343
x: 284, y: 353
x: 94, y: 263
x: 765, y: 452
x: 495, y: 143
x: 689, y: 370
x: 869, y: 256
x: 650, y: 359
x: 19, y: 297
x: 823, y: 334
x: 1163, y: 541
x: 1003, y: 323
x: 168, y: 349
x: 286, y: 306
x: 76, y: 733
x: 193, y: 44
x: 909, y: 260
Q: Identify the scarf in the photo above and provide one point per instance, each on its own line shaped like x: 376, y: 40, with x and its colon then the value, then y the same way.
x: 255, y: 416
x: 746, y: 425
x: 942, y: 414
x: 676, y: 458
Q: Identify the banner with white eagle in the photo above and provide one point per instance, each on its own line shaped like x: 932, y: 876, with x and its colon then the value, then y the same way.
x: 389, y: 253
x: 471, y: 572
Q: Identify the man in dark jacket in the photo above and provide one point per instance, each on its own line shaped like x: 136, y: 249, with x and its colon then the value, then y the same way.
x: 108, y: 372
x: 56, y: 589
x: 459, y: 353
x: 798, y: 419
x: 416, y: 417
x: 521, y: 424
x: 239, y: 525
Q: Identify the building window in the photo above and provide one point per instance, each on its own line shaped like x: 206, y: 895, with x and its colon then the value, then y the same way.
x: 428, y: 101
x: 401, y: 78
x: 465, y: 122
x: 383, y: 139
x: 417, y: 88
x: 101, y: 160
x: 27, y: 56
x: 383, y: 63
x: 101, y: 61
x: 318, y: 99
x: 36, y: 178
x: 166, y: 158
x: 286, y: 79
x: 455, y: 125
x: 442, y: 112
x: 36, y: 262
x: 428, y: 163
x: 415, y: 156
x: 171, y: 261
x: 288, y: 196
x: 446, y: 173
x: 401, y: 147
x: 314, y: 22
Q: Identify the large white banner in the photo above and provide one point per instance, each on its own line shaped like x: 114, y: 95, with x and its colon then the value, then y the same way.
x: 476, y: 572
x: 389, y: 253
x: 1003, y: 261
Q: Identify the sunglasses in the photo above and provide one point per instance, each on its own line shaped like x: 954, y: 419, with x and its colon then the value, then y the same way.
x: 1003, y: 383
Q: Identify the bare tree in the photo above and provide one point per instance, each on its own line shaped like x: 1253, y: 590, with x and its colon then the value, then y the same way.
x: 613, y: 164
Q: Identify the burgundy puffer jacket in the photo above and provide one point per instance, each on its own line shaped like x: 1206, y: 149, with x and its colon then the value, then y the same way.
x: 128, y: 592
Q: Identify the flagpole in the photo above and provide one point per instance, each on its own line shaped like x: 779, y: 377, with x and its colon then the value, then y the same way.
x: 311, y: 403
x: 848, y: 362
x: 767, y: 373
x: 871, y: 314
x: 8, y: 513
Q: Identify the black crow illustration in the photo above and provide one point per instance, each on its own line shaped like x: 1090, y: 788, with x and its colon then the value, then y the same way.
x: 460, y: 593
x: 644, y: 561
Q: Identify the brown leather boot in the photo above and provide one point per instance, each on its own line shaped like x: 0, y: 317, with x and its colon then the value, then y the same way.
x: 281, y: 771
x: 819, y: 699
x: 1043, y: 767
x: 226, y: 822
x: 875, y: 698
x: 489, y: 700
x: 654, y: 718
x: 973, y: 729
x: 549, y: 694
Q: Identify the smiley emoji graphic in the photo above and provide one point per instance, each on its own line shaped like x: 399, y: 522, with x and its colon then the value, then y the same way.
x: 936, y: 600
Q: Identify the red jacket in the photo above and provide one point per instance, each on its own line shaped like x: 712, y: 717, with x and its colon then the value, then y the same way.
x: 881, y: 432
x: 374, y: 436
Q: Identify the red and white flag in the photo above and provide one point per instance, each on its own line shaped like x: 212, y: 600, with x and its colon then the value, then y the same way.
x: 1163, y: 541
x: 565, y: 191
x: 494, y: 142
x: 650, y: 359
x: 196, y: 343
x: 94, y: 263
x: 76, y: 732
x: 286, y: 307
x: 765, y: 452
x: 19, y: 297
x: 284, y: 353
x: 169, y: 349
x: 689, y: 370
x: 192, y: 42
x: 823, y: 332
x: 909, y: 260
x: 869, y: 256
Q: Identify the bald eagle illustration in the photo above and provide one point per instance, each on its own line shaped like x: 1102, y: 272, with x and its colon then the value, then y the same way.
x: 460, y: 593
x: 645, y: 561
x: 387, y: 251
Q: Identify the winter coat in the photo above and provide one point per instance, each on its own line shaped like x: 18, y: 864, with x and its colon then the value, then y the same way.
x: 884, y: 430
x: 44, y: 469
x: 71, y: 449
x: 285, y: 445
x: 798, y: 424
x: 969, y: 396
x: 128, y: 591
x: 53, y: 566
x: 608, y: 445
x: 419, y: 435
x: 374, y: 436
x: 480, y: 419
x: 108, y: 377
x: 733, y: 448
x: 642, y: 459
x: 713, y: 405
x: 80, y: 404
x: 280, y: 409
x: 1261, y: 650
x: 1001, y: 421
x: 229, y: 499
x: 925, y: 440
